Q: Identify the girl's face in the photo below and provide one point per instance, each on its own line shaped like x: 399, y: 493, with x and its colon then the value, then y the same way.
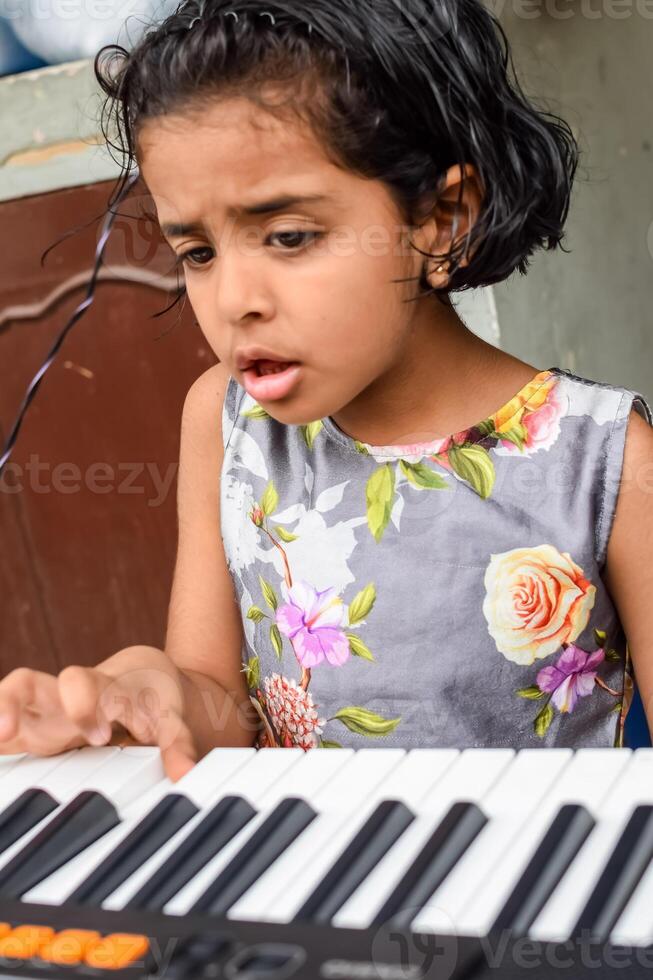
x: 268, y: 274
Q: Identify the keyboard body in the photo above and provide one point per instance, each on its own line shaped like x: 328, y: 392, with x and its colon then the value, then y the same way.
x: 328, y: 865
x: 229, y: 950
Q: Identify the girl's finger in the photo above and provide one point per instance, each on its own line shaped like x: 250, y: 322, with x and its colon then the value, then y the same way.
x: 20, y: 690
x: 178, y: 751
x: 80, y: 691
x: 144, y: 700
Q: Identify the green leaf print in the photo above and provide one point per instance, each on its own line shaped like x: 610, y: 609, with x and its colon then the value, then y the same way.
x: 256, y: 413
x: 256, y: 614
x: 486, y: 428
x: 269, y: 594
x: 270, y: 499
x: 423, y: 476
x: 364, y: 722
x: 474, y: 465
x: 361, y: 605
x: 543, y: 720
x: 600, y: 636
x: 360, y: 448
x: 327, y: 744
x: 533, y: 693
x: 358, y: 648
x: 311, y: 432
x: 612, y: 657
x: 275, y: 638
x: 253, y: 673
x: 286, y: 535
x: 380, y: 493
x: 518, y: 435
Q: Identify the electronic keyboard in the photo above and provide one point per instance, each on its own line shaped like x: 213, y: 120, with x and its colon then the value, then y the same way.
x: 331, y: 864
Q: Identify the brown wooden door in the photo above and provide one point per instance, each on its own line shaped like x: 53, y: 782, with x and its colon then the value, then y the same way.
x: 88, y: 504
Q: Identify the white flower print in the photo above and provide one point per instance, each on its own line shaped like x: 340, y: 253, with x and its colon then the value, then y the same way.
x: 334, y: 543
x: 241, y: 538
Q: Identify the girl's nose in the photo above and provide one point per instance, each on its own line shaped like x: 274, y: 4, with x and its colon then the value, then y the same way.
x: 241, y: 286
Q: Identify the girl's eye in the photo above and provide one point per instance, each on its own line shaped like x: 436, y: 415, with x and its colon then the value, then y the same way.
x: 295, y: 239
x: 291, y: 241
x: 190, y: 258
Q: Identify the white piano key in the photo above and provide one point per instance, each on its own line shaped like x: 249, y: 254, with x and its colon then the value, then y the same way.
x: 7, y: 762
x: 200, y: 784
x: 70, y: 774
x: 616, y: 802
x: 635, y: 924
x: 585, y: 780
x: 354, y: 783
x: 468, y: 780
x: 508, y: 804
x: 251, y: 779
x: 123, y: 777
x: 74, y: 771
x: 279, y: 894
x: 308, y: 777
x: 29, y: 772
x: 197, y: 786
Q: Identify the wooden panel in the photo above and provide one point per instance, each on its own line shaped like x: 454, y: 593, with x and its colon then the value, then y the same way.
x: 89, y: 539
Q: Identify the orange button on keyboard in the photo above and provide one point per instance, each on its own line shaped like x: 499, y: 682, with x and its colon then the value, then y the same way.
x: 24, y: 942
x: 117, y: 951
x: 69, y: 946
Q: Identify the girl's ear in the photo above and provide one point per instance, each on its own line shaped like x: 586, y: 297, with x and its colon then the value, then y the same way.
x: 454, y: 214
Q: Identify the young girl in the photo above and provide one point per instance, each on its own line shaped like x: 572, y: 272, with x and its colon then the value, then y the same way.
x: 390, y: 533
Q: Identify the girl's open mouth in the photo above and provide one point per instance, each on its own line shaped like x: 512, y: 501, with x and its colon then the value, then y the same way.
x: 270, y: 380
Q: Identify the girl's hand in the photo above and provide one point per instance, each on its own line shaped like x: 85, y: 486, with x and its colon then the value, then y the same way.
x: 137, y: 692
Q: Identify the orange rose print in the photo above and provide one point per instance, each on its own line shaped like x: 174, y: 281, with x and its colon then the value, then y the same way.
x: 537, y: 599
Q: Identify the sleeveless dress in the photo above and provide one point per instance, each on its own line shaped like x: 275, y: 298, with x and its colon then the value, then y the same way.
x: 446, y: 594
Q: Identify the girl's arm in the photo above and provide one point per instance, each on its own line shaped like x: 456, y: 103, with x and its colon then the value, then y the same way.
x: 629, y: 566
x: 205, y: 634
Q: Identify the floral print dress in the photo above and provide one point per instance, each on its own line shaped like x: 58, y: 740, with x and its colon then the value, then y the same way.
x: 446, y: 594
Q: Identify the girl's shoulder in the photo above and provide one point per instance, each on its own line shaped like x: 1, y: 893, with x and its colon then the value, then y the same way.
x: 602, y: 401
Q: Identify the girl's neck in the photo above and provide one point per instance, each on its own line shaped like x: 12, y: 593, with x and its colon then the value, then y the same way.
x: 448, y: 380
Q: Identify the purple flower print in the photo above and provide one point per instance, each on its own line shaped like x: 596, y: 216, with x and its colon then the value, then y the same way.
x: 311, y: 621
x: 572, y: 677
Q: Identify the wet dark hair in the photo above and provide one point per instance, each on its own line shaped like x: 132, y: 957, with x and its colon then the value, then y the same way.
x: 395, y: 90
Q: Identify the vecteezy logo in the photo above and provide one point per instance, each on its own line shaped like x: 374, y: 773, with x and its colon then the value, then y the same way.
x: 398, y: 953
x: 136, y: 241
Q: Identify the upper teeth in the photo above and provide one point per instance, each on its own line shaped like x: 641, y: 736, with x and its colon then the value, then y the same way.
x: 272, y: 370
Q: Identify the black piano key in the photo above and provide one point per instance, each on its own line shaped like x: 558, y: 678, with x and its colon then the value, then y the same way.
x: 385, y: 825
x: 557, y: 849
x: 23, y: 814
x: 164, y: 820
x: 73, y: 828
x: 443, y: 849
x: 221, y: 824
x: 284, y: 824
x: 622, y: 873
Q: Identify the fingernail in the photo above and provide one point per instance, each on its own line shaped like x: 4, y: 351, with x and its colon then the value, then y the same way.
x: 99, y: 736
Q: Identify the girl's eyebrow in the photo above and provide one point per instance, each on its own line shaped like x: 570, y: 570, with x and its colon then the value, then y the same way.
x: 265, y: 207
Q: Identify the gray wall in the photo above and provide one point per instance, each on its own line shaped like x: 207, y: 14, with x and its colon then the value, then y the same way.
x: 590, y: 311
